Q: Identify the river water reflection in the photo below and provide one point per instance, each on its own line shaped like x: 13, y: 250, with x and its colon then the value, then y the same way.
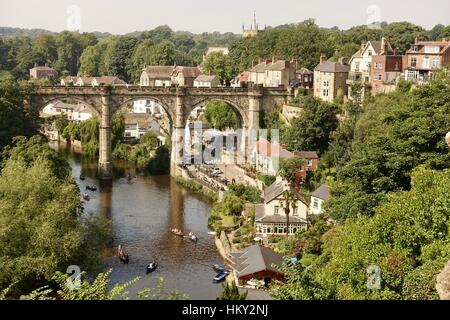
x: 142, y: 210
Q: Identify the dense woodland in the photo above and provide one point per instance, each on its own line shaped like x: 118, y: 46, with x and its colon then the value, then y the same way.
x: 94, y: 54
x: 386, y: 161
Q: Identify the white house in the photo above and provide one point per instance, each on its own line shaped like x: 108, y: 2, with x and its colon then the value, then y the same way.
x: 266, y: 156
x: 361, y: 63
x: 80, y: 113
x: 147, y: 106
x: 270, y: 218
x: 74, y: 112
x: 318, y: 198
x: 138, y: 124
x: 205, y: 81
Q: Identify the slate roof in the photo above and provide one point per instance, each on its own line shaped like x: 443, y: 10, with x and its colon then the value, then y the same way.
x: 109, y: 80
x: 205, y: 78
x: 188, y: 72
x: 322, y: 193
x: 332, y: 67
x: 303, y: 71
x: 159, y: 72
x: 306, y: 154
x: 278, y: 65
x: 255, y: 259
x: 277, y: 189
x: 141, y: 119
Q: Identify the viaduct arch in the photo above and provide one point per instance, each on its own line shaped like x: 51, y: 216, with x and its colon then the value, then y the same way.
x: 178, y: 102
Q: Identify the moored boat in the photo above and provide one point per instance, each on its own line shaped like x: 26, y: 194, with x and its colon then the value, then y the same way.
x: 192, y: 237
x: 151, y: 267
x: 91, y: 188
x: 219, y: 268
x: 220, y: 277
x: 177, y: 232
x: 86, y: 197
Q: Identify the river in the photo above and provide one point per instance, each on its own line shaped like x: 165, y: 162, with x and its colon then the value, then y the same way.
x: 142, y: 210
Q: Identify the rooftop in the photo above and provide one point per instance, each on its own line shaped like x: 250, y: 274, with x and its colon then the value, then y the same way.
x: 255, y: 259
x: 322, y: 193
x: 277, y: 189
x: 332, y: 67
x: 205, y: 78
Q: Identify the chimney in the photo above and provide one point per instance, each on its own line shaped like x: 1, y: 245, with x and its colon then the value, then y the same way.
x: 273, y: 59
x: 416, y: 41
x: 35, y: 65
x: 323, y: 58
x: 396, y: 51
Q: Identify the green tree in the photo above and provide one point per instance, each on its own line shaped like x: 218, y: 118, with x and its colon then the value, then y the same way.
x: 16, y: 118
x: 118, y: 56
x: 41, y: 231
x: 150, y: 139
x: 313, y: 128
x: 61, y: 123
x: 220, y: 115
x: 69, y: 52
x: 160, y: 163
x: 220, y: 65
x: 231, y: 292
x: 117, y: 129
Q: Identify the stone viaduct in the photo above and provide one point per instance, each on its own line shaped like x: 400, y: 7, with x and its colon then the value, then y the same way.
x: 178, y: 102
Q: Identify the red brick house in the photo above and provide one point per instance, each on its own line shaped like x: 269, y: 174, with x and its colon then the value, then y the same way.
x: 385, y: 70
x: 311, y: 162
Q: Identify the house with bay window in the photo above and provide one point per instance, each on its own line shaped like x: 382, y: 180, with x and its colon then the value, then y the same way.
x: 270, y: 217
x: 424, y: 57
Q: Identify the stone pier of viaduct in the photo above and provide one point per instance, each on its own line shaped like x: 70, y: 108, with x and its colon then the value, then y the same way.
x: 178, y: 103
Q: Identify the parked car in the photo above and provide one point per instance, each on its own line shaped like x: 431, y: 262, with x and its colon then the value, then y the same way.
x: 216, y: 171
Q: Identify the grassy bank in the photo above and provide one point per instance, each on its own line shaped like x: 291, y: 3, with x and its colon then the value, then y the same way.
x: 197, y: 188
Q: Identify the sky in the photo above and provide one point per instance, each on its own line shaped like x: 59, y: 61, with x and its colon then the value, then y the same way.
x: 119, y: 17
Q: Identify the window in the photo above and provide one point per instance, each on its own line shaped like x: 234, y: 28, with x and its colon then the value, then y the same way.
x: 357, y: 66
x: 426, y: 62
x: 375, y: 65
x: 316, y: 204
x: 380, y: 77
x: 295, y: 211
x: 380, y: 65
x: 326, y: 83
x: 277, y: 210
x: 370, y: 53
x: 436, y: 63
x: 325, y: 92
x: 413, y: 62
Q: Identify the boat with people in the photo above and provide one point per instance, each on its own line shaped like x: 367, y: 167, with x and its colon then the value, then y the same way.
x: 91, y: 187
x: 177, y: 232
x: 123, y: 257
x: 192, y: 237
x: 151, y: 267
x: 82, y: 178
x: 86, y: 197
